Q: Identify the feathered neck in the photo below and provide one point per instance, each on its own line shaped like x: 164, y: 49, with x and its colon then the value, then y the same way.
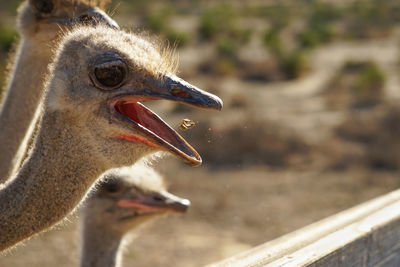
x: 53, y: 180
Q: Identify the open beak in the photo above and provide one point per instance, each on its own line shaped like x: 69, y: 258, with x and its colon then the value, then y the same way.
x: 92, y: 17
x: 160, y: 202
x: 156, y: 132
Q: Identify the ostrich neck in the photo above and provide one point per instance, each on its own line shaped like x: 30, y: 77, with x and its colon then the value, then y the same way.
x: 100, y: 246
x: 24, y: 92
x: 51, y: 183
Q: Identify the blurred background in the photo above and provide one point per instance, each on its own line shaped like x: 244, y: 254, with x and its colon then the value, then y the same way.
x: 310, y: 125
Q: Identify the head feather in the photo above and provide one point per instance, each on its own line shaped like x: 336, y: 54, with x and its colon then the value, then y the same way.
x: 93, y: 3
x: 148, y: 53
x: 139, y: 175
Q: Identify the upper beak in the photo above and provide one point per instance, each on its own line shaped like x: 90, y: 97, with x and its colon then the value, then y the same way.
x: 92, y: 17
x: 160, y: 202
x: 173, y: 88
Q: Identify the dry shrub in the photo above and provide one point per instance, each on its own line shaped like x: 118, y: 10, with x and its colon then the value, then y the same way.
x: 218, y: 67
x: 265, y: 71
x: 239, y: 101
x: 251, y: 142
x: 378, y: 133
x: 357, y: 85
x: 361, y: 127
x: 339, y: 155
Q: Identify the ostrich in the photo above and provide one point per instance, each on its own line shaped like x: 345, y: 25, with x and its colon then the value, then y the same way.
x: 91, y: 121
x: 39, y: 22
x: 122, y: 203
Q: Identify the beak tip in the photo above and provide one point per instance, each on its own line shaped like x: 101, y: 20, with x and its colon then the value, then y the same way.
x: 194, y: 163
x: 208, y: 100
x: 219, y: 104
x: 186, y: 202
x: 184, y: 205
x: 211, y: 101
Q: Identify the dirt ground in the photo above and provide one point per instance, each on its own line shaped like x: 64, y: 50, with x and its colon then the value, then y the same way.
x: 269, y: 165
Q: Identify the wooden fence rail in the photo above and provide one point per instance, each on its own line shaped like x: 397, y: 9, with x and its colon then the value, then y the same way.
x: 366, y: 235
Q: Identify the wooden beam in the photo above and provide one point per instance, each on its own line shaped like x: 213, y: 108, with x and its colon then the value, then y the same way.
x: 372, y: 241
x: 331, y: 242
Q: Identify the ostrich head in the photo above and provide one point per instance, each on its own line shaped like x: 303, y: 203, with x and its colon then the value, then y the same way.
x: 128, y: 197
x: 101, y: 78
x: 42, y: 20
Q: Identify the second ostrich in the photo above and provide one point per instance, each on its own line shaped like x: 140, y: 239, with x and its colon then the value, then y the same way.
x: 128, y: 198
x: 92, y: 121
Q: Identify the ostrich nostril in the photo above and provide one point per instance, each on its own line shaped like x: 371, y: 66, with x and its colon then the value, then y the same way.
x: 176, y: 91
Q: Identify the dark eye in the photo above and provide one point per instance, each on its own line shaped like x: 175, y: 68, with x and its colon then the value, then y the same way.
x: 44, y: 6
x: 110, y: 75
x: 111, y: 186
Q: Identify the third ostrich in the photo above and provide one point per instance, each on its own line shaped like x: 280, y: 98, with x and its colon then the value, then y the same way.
x: 40, y: 22
x: 92, y: 121
x: 128, y: 198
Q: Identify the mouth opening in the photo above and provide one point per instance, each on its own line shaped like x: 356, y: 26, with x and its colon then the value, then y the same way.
x: 157, y: 132
x: 151, y: 208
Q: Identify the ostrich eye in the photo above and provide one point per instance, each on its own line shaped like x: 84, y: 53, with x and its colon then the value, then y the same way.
x: 44, y: 6
x: 111, y: 186
x: 110, y: 75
